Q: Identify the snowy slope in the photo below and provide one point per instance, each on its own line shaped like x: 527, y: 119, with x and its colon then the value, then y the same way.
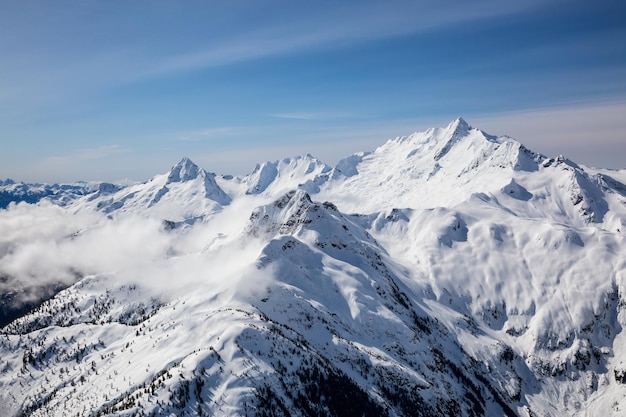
x: 279, y: 177
x: 185, y: 194
x: 445, y: 166
x: 448, y: 272
x: 310, y: 323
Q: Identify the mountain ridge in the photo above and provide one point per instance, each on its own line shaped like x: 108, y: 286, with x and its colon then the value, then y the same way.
x: 448, y: 272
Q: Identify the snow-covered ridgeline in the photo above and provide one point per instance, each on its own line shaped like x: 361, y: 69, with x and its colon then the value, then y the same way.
x: 448, y: 272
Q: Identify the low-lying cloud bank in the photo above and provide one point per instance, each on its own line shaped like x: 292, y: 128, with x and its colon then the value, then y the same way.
x: 43, y: 246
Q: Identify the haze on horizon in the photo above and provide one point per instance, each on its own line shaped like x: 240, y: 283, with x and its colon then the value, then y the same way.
x: 110, y: 90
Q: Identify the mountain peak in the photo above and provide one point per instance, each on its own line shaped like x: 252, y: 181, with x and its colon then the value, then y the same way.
x: 459, y: 125
x: 184, y: 170
x: 456, y: 130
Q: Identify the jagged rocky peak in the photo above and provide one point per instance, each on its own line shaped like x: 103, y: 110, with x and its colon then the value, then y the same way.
x: 286, y: 214
x: 282, y: 216
x: 184, y: 170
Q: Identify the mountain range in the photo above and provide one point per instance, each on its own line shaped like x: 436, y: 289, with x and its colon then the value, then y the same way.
x: 448, y: 272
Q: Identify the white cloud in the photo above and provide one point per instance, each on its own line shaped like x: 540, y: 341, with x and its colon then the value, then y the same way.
x: 45, y: 244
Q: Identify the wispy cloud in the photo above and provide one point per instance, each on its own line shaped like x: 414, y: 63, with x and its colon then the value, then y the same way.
x: 208, y: 133
x: 334, y: 27
x: 91, y: 62
x: 88, y: 154
x: 312, y: 115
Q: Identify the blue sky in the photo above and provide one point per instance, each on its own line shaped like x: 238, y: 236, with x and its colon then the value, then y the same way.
x: 107, y: 90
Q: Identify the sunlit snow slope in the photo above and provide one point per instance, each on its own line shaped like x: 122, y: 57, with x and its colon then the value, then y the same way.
x: 449, y: 272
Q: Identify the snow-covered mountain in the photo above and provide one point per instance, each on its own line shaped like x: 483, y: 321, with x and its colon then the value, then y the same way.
x: 61, y: 194
x: 185, y: 194
x: 282, y: 176
x: 448, y: 272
